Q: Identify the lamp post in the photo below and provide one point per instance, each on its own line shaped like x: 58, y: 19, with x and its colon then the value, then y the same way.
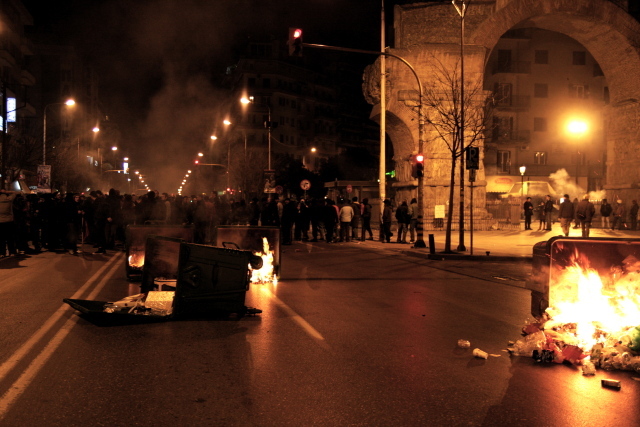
x: 249, y: 100
x: 577, y: 128
x: 68, y: 103
x: 523, y: 169
x: 461, y: 11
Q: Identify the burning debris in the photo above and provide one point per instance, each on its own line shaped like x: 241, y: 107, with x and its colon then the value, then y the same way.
x: 593, y: 320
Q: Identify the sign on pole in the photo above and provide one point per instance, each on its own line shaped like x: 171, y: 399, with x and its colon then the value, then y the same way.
x: 44, y: 179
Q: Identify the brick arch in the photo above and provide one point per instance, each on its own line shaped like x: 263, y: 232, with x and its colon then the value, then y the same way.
x: 610, y: 34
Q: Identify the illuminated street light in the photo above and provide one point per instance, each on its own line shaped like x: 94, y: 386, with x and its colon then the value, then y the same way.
x: 577, y: 128
x: 523, y: 169
x: 226, y: 122
x: 200, y: 154
x: 68, y: 103
x: 96, y: 129
x: 213, y: 137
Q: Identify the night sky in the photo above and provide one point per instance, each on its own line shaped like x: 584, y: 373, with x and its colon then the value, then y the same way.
x: 158, y: 59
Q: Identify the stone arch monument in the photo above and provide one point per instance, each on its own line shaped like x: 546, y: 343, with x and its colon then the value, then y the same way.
x: 431, y: 30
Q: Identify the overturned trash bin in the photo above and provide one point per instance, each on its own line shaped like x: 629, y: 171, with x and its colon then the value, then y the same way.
x: 211, y: 282
x: 136, y: 236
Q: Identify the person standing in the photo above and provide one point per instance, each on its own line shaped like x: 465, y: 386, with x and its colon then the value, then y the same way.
x: 73, y: 221
x: 541, y: 216
x: 565, y: 215
x: 633, y: 215
x: 548, y: 211
x: 387, y: 215
x: 413, y: 219
x: 402, y: 216
x: 7, y: 228
x: 366, y: 219
x: 330, y: 218
x: 528, y: 213
x: 357, y: 218
x: 605, y: 211
x: 585, y: 211
x: 346, y: 216
x: 619, y: 216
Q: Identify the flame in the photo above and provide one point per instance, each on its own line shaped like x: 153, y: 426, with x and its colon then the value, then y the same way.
x: 136, y: 260
x: 266, y: 274
x: 599, y: 310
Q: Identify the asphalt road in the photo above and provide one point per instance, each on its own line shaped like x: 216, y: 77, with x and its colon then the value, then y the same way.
x: 351, y: 335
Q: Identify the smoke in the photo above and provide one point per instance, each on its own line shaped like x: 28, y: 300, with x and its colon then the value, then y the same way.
x: 562, y: 182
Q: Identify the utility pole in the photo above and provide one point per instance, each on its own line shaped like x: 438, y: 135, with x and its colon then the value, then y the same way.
x: 383, y: 119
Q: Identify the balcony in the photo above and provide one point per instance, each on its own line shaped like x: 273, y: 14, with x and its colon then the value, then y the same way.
x: 512, y: 67
x: 510, y: 136
x: 513, y: 103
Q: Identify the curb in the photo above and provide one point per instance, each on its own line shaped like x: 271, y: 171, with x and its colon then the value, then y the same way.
x: 464, y: 257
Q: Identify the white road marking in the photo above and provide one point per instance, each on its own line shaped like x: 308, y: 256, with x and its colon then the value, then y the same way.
x: 297, y: 318
x: 18, y: 387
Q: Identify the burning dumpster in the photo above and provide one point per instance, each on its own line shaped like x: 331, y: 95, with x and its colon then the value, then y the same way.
x: 210, y: 281
x: 585, y: 296
x: 136, y: 236
x: 262, y: 240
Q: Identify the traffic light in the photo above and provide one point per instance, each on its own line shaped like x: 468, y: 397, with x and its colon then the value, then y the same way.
x: 196, y: 161
x: 295, y: 42
x: 417, y: 166
x: 473, y: 157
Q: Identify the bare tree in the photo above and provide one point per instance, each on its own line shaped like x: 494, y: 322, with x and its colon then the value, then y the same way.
x: 445, y: 112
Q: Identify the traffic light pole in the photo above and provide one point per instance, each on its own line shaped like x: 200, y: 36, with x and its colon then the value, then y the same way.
x: 419, y: 243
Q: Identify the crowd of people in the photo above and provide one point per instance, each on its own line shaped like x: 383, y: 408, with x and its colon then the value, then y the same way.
x: 581, y: 214
x: 30, y: 223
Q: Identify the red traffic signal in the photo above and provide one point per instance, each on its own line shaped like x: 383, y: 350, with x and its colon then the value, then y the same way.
x: 196, y: 161
x: 417, y: 166
x: 295, y: 42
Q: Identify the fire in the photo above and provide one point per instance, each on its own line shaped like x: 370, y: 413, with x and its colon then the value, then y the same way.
x: 266, y: 274
x: 136, y: 260
x: 593, y: 319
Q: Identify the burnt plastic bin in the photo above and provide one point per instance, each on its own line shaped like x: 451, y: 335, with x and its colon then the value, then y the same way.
x: 161, y: 258
x: 136, y: 237
x: 250, y: 237
x: 554, y: 255
x: 212, y: 280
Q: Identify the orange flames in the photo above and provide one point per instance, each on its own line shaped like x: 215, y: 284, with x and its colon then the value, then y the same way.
x: 136, y: 260
x: 266, y: 274
x: 593, y: 318
x: 601, y: 308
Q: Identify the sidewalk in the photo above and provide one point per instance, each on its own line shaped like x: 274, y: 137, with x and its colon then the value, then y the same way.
x: 502, y: 245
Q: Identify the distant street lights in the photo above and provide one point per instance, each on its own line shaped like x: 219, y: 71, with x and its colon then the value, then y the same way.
x: 68, y: 103
x: 523, y: 169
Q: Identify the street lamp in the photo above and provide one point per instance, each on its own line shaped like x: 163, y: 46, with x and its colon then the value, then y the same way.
x: 249, y: 100
x: 578, y: 128
x: 523, y: 169
x: 68, y: 103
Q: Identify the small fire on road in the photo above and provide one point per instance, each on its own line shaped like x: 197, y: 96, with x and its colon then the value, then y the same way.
x: 266, y: 274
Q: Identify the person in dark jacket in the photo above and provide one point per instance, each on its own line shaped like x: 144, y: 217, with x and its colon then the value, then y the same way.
x: 403, y: 218
x: 366, y: 219
x: 584, y: 213
x: 548, y: 211
x: 633, y: 215
x: 330, y: 219
x: 73, y: 222
x: 605, y: 211
x: 565, y: 215
x: 528, y: 213
x: 387, y: 215
x: 619, y: 216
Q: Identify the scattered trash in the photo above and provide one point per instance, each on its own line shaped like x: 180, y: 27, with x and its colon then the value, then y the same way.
x: 588, y: 368
x: 614, y: 384
x: 464, y: 344
x: 480, y: 354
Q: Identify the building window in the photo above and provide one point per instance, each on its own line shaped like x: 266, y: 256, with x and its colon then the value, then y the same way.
x: 541, y: 90
x: 266, y: 83
x: 502, y: 93
x: 540, y: 158
x: 542, y: 57
x: 539, y: 124
x: 251, y: 82
x: 579, y: 58
x: 579, y: 91
x: 504, y: 161
x: 504, y: 61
